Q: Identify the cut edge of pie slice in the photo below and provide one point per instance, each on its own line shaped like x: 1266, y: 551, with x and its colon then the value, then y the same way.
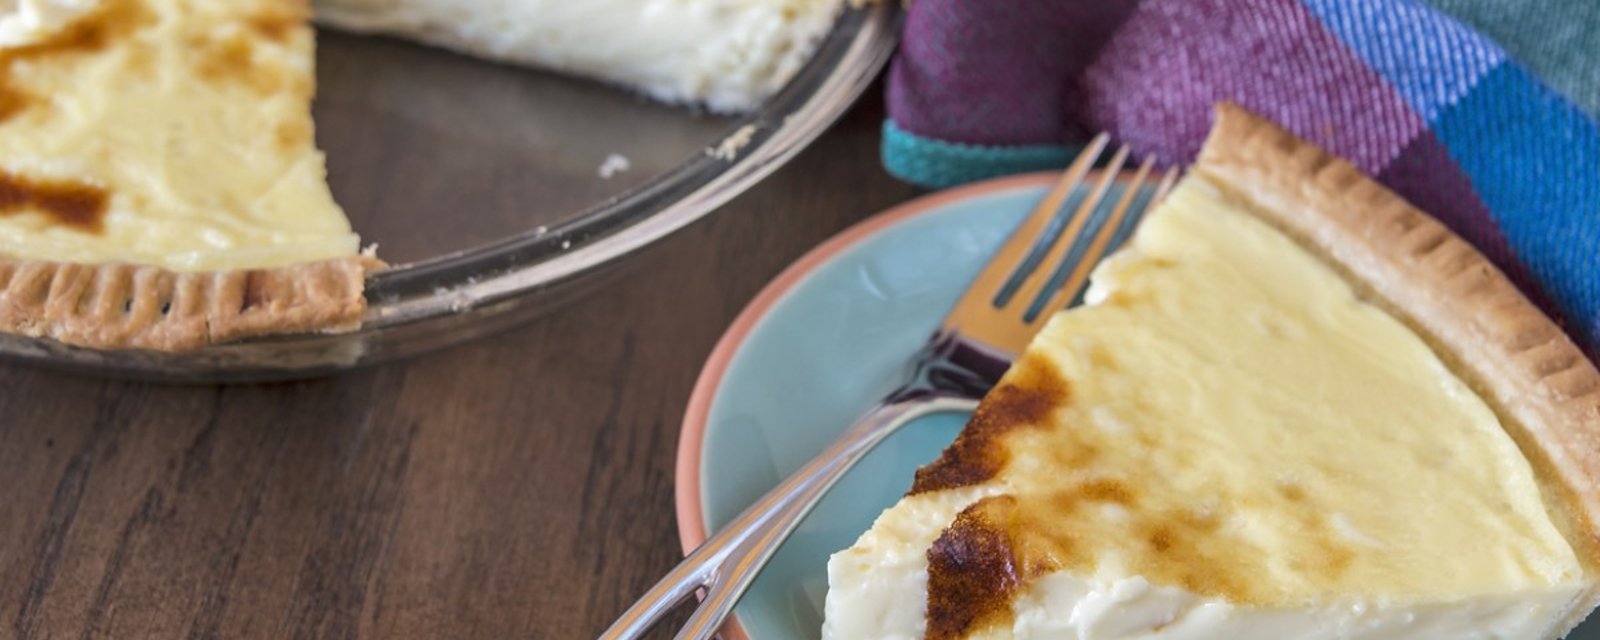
x: 1539, y: 383
x: 160, y: 186
x: 958, y: 553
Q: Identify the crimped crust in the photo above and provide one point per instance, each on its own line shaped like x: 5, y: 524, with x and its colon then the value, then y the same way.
x: 1543, y: 388
x: 117, y: 306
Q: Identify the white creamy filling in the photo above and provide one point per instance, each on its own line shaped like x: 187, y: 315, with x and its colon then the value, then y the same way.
x: 26, y: 22
x: 878, y: 589
x: 726, y: 54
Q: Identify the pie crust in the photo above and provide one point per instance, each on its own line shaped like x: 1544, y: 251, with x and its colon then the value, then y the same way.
x: 116, y: 306
x: 1540, y: 384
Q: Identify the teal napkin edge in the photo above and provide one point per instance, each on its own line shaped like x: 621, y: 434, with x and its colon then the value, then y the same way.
x: 937, y: 164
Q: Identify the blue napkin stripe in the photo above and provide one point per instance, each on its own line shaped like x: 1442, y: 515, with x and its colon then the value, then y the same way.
x: 1428, y: 57
x: 1534, y: 158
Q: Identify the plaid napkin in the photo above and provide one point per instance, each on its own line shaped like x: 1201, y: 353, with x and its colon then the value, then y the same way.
x: 1479, y: 112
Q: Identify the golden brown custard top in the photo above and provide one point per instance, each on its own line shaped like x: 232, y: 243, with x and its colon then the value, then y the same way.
x: 1228, y: 418
x: 183, y: 128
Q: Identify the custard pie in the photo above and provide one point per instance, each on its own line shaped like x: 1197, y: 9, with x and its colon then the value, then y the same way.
x: 160, y: 187
x: 159, y: 183
x: 1294, y: 406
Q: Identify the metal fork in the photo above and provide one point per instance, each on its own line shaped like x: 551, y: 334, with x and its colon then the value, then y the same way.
x: 988, y: 328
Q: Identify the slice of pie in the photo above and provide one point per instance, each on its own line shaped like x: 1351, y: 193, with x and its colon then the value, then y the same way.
x: 1293, y: 407
x: 727, y: 55
x: 159, y: 183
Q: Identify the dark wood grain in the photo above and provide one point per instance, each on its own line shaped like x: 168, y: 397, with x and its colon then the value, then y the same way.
x: 516, y: 487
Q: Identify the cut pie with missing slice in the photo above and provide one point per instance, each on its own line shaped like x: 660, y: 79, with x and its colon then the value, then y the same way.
x: 159, y: 183
x: 1293, y: 407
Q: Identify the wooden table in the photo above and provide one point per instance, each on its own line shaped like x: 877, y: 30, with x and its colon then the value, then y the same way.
x: 516, y: 487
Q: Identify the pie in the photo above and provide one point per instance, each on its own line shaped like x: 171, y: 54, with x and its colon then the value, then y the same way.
x: 160, y: 187
x: 727, y: 55
x: 159, y: 183
x: 1294, y: 406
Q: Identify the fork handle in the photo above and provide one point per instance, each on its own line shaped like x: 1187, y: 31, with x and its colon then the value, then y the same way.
x: 727, y: 563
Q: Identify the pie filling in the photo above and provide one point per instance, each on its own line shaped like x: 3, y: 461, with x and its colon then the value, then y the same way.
x: 1224, y: 442
x: 725, y: 54
x: 172, y: 133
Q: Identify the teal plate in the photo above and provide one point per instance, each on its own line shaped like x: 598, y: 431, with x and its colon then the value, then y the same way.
x: 817, y: 348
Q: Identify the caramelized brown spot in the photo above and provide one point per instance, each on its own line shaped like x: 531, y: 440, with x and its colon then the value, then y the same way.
x: 1183, y: 553
x: 72, y: 204
x: 232, y: 58
x: 1110, y: 491
x: 89, y: 34
x: 12, y: 102
x: 1074, y: 454
x: 1332, y: 559
x: 1027, y: 396
x: 1161, y: 538
x: 972, y: 571
x: 1101, y: 357
x: 277, y: 25
x: 92, y: 32
x: 220, y: 58
x: 292, y: 135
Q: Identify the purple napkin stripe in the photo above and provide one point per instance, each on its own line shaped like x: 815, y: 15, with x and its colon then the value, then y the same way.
x: 995, y: 73
x: 1275, y: 58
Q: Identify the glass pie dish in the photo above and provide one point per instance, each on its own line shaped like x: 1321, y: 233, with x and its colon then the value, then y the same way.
x: 496, y: 192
